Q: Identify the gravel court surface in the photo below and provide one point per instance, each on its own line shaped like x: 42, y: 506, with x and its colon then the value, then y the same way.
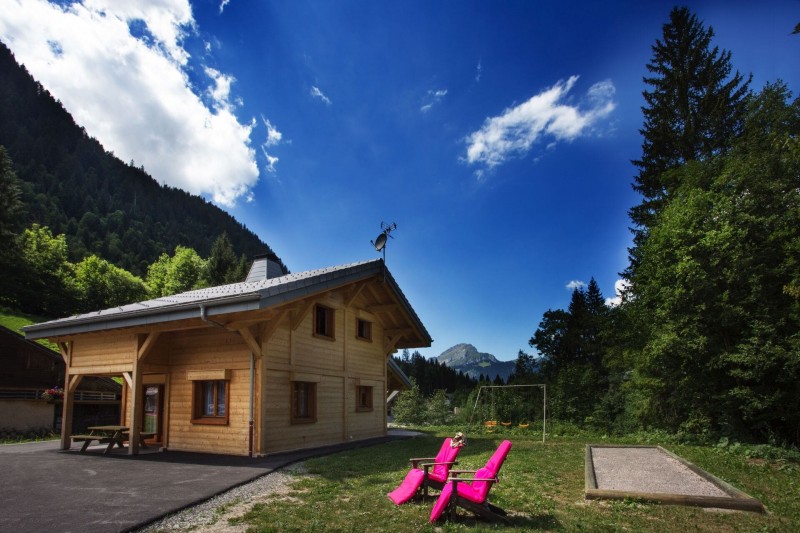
x: 648, y: 470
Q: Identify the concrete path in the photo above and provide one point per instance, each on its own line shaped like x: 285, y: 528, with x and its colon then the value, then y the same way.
x: 45, y: 489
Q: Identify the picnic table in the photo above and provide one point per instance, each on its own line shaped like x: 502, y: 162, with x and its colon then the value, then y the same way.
x: 110, y: 435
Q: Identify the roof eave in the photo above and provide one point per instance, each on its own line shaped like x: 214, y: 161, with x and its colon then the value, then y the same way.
x: 145, y: 317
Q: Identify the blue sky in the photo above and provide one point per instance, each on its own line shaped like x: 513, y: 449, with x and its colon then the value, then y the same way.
x: 497, y: 135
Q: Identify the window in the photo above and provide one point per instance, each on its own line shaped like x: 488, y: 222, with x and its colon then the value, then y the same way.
x: 363, y: 330
x: 210, y: 402
x: 364, y: 399
x: 323, y: 321
x: 304, y: 402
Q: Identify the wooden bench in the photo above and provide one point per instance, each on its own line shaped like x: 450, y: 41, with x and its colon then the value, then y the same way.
x: 142, y: 436
x: 88, y: 439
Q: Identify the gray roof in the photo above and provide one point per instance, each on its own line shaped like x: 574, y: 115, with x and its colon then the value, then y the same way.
x: 224, y: 299
x: 392, y: 364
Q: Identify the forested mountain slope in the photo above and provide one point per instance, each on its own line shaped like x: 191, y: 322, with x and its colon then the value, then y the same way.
x: 103, y: 206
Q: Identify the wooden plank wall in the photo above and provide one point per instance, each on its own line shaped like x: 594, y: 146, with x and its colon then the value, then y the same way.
x: 339, y: 366
x: 105, y: 350
x: 208, y: 349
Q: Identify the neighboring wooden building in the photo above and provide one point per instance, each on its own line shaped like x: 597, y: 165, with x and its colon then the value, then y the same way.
x: 267, y: 365
x: 27, y: 369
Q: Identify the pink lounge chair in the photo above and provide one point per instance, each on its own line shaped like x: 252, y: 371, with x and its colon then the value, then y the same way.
x: 471, y: 492
x: 434, y: 472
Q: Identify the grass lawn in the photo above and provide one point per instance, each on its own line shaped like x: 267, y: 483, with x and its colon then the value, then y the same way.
x: 16, y: 320
x: 541, y: 486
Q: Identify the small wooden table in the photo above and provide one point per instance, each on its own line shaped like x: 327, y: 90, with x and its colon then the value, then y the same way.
x: 102, y: 434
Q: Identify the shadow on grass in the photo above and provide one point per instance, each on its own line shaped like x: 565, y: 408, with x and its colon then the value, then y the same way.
x: 544, y: 522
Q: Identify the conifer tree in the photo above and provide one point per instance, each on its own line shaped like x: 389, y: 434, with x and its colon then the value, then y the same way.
x: 694, y: 109
x: 10, y: 203
x: 222, y: 264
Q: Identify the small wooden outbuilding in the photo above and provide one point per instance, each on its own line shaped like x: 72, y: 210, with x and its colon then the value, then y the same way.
x: 27, y: 370
x: 275, y: 363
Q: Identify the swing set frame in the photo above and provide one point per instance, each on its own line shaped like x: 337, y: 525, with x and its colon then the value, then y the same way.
x: 539, y: 385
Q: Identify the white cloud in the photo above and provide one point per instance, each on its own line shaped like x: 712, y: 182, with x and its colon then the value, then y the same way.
x: 516, y: 130
x: 222, y: 5
x: 317, y: 93
x: 121, y: 70
x: 220, y: 90
x: 621, y: 287
x: 575, y: 284
x: 271, y: 159
x: 478, y: 71
x: 432, y: 98
x: 273, y: 135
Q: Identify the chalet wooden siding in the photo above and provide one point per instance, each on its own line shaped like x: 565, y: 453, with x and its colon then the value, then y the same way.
x: 104, y: 353
x: 336, y: 367
x: 260, y: 349
x: 208, y: 349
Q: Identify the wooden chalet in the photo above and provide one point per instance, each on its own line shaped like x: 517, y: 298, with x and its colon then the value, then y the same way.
x: 275, y: 363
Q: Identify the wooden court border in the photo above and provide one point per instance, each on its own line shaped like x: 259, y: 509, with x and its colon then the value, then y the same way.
x: 736, y: 499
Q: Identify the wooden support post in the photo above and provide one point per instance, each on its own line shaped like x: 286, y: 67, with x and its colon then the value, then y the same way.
x: 70, y: 385
x: 137, y: 408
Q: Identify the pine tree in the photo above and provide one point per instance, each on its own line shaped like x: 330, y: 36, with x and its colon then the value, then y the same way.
x: 10, y: 203
x: 694, y: 109
x: 222, y: 264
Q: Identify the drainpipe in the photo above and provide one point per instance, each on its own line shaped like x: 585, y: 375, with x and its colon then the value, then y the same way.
x: 252, y: 386
x: 204, y: 318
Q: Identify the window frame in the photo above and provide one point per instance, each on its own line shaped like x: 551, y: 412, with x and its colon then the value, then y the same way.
x: 367, y: 330
x: 309, y: 388
x: 197, y: 403
x: 368, y: 406
x: 329, y: 322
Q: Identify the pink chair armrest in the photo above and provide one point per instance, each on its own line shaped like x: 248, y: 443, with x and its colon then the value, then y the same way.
x: 454, y: 473
x: 459, y: 479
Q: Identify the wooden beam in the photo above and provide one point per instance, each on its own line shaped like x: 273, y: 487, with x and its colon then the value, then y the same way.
x: 74, y: 380
x: 382, y: 308
x: 128, y: 379
x: 145, y: 344
x: 102, y: 370
x: 271, y: 327
x: 66, y: 351
x: 301, y: 312
x: 402, y: 332
x: 391, y: 342
x: 250, y: 340
x: 348, y: 301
